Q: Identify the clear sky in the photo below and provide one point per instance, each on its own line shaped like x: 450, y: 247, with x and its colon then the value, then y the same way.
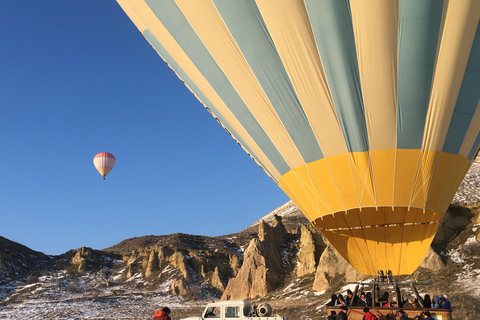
x: 77, y: 78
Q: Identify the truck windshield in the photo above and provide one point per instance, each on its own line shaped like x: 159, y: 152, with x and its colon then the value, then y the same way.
x: 212, y: 312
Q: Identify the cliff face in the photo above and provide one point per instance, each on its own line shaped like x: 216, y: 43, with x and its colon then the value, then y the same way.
x: 189, y: 263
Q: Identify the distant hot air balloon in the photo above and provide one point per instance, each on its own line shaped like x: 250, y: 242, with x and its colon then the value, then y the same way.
x: 104, y: 162
x: 366, y: 115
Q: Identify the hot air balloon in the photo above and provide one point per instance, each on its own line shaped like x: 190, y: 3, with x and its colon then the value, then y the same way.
x: 367, y: 116
x: 104, y: 162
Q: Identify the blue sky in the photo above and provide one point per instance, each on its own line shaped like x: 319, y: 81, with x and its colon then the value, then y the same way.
x: 78, y: 78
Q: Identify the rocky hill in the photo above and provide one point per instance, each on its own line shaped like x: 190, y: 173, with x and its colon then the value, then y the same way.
x: 280, y: 259
x: 17, y: 261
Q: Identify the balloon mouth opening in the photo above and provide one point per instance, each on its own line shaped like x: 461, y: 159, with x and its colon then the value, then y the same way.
x: 377, y: 217
x: 381, y: 238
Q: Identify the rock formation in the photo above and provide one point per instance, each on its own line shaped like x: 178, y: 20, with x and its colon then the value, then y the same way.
x: 132, y: 268
x: 262, y: 268
x: 153, y: 264
x: 276, y: 233
x: 432, y: 261
x: 179, y: 261
x: 311, y: 247
x: 179, y: 288
x: 217, y: 281
x: 455, y: 219
x: 235, y: 263
x: 80, y: 259
x: 259, y: 274
x: 330, y: 266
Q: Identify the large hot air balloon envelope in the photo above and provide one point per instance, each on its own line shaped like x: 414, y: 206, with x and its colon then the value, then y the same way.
x: 366, y: 115
x: 104, y: 162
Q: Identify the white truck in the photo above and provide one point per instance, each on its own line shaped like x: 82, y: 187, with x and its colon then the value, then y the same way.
x: 237, y: 310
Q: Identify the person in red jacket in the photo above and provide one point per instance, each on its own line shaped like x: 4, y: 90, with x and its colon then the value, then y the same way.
x: 162, y: 314
x: 368, y: 315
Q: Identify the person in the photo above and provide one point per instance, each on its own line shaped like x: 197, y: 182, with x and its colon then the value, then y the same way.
x: 411, y: 303
x: 427, y: 302
x: 332, y: 316
x: 351, y: 300
x: 162, y: 314
x: 333, y: 300
x: 446, y: 304
x: 362, y: 302
x: 342, y: 315
x: 368, y: 315
x: 424, y: 316
x: 436, y: 302
x: 369, y: 299
x: 403, y: 315
x: 340, y: 301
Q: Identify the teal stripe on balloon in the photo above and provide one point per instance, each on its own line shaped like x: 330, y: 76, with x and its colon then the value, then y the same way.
x: 245, y: 23
x: 173, y: 19
x: 467, y: 102
x: 474, y: 151
x: 332, y: 26
x: 419, y: 27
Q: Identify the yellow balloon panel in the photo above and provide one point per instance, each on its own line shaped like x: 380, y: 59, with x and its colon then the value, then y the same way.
x: 385, y: 234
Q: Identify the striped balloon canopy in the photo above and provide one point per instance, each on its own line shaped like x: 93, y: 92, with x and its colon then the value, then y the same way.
x: 104, y: 162
x: 366, y: 115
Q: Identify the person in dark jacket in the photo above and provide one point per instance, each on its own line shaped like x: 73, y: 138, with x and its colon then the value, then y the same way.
x: 351, y: 300
x: 403, y: 315
x: 427, y: 301
x: 362, y: 302
x: 446, y: 304
x: 333, y: 301
x: 342, y: 315
x: 332, y: 316
x: 162, y: 314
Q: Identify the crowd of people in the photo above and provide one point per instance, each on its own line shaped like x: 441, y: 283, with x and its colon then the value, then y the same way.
x: 365, y: 300
x: 368, y: 315
x: 409, y: 301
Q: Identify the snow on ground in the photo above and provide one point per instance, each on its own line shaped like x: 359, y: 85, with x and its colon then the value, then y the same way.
x: 469, y: 190
x: 134, y: 307
x: 59, y: 295
x: 281, y: 211
x: 469, y: 278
